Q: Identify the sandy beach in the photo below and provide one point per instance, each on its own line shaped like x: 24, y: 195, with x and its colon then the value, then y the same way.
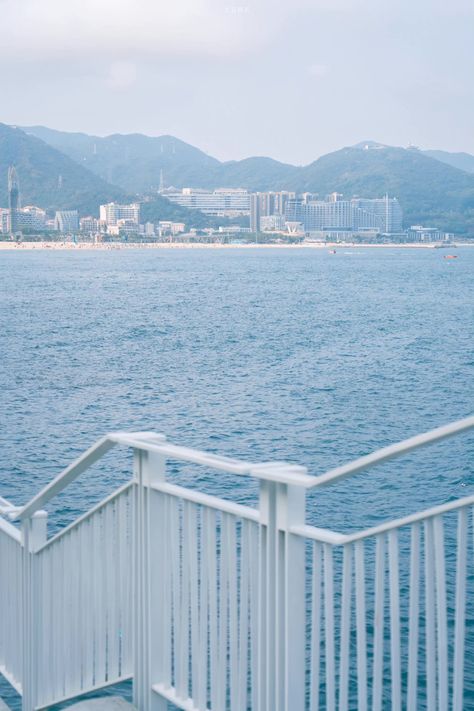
x: 74, y: 247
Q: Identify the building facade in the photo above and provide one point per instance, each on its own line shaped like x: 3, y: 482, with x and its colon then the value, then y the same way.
x: 66, y: 221
x: 334, y: 214
x: 31, y: 218
x: 112, y: 212
x: 221, y: 202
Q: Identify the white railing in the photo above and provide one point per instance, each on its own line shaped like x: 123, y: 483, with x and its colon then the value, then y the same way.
x: 215, y: 606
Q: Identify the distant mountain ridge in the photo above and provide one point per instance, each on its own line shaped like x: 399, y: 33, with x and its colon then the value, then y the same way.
x: 463, y: 161
x: 431, y: 191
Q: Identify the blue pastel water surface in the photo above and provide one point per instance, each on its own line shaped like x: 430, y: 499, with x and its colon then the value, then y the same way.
x: 256, y: 353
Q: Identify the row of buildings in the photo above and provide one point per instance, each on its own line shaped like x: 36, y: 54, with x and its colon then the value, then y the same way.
x: 281, y: 212
x: 31, y: 219
x: 285, y: 211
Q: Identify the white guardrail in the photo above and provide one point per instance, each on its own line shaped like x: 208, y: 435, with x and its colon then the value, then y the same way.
x: 215, y: 606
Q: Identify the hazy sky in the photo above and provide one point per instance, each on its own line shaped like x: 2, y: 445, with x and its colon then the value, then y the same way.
x: 291, y: 80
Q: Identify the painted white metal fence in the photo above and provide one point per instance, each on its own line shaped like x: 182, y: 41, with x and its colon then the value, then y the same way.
x: 215, y: 606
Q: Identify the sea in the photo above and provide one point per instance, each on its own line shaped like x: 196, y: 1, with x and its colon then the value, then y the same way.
x: 257, y: 353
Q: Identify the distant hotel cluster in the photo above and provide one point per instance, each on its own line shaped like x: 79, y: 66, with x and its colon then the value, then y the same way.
x: 281, y: 213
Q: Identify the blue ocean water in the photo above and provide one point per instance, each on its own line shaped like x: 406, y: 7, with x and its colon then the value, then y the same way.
x: 255, y: 353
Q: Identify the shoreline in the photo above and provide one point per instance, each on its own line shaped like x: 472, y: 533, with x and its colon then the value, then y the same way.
x: 87, y: 246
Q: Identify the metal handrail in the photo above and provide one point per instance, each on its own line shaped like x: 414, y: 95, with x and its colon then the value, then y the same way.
x: 137, y: 558
x: 282, y: 472
x: 393, y: 451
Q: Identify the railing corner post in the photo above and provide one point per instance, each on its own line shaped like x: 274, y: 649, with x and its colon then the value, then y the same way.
x: 149, y: 468
x: 282, y: 598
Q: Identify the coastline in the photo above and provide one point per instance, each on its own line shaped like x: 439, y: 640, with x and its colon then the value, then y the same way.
x: 73, y: 247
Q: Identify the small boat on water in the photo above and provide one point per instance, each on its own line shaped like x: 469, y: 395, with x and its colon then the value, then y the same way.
x: 331, y: 251
x: 450, y: 256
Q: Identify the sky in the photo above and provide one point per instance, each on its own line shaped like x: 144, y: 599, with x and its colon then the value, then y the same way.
x: 291, y: 80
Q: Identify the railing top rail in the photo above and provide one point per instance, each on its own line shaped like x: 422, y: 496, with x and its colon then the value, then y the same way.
x: 393, y: 451
x: 282, y: 472
x: 325, y: 535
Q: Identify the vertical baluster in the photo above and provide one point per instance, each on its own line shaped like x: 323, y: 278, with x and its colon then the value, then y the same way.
x: 414, y: 612
x: 74, y: 685
x: 394, y: 619
x: 233, y: 611
x: 223, y: 614
x: 167, y: 592
x: 361, y: 626
x: 263, y: 607
x: 88, y: 610
x: 315, y: 627
x: 56, y: 617
x: 4, y: 629
x: 241, y: 701
x: 107, y: 556
x: 254, y: 597
x: 178, y: 652
x: 345, y: 629
x: 329, y: 632
x: 64, y: 616
x: 127, y: 634
x: 379, y: 622
x: 185, y: 600
x: 211, y: 524
x: 5, y: 583
x: 66, y: 631
x: 81, y: 612
x: 113, y: 568
x: 44, y: 685
x: 100, y: 598
x: 442, y: 624
x: 201, y: 696
x: 194, y: 594
x: 120, y: 573
x: 459, y: 625
x: 430, y: 617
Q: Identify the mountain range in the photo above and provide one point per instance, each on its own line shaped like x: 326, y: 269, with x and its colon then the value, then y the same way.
x: 434, y: 187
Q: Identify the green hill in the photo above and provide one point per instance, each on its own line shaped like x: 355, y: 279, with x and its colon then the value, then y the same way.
x: 430, y: 192
x: 49, y: 178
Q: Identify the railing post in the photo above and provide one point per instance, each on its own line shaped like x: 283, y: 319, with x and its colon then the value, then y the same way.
x: 148, y: 604
x: 281, y: 657
x: 34, y: 533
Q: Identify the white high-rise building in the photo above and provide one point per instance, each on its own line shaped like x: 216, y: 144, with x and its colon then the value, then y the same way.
x: 221, y: 202
x: 112, y: 212
x: 387, y: 212
x: 381, y: 214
